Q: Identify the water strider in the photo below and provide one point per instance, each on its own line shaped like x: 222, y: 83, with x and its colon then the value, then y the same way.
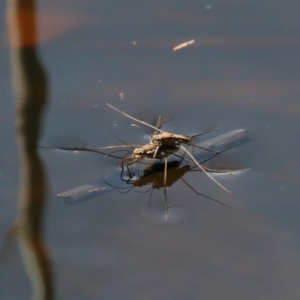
x: 144, y: 154
x: 152, y: 176
x: 170, y: 139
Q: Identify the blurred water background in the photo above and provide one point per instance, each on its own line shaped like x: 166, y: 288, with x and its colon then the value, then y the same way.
x: 241, y: 72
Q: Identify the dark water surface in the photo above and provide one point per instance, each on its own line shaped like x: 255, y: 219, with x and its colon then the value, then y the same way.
x: 242, y: 72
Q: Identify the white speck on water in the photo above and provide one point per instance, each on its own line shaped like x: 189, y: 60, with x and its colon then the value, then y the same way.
x: 134, y: 125
x: 281, y: 187
x: 175, y: 215
x: 115, y: 124
x: 267, y: 126
x: 208, y: 7
x: 96, y: 105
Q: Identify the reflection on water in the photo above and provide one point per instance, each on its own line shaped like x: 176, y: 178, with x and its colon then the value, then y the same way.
x: 30, y: 89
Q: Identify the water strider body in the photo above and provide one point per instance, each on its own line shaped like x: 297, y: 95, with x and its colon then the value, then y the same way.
x: 151, y: 151
x: 171, y: 138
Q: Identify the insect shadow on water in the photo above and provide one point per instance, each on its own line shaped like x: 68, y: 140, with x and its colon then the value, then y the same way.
x: 166, y: 139
x: 161, y: 146
x: 154, y: 176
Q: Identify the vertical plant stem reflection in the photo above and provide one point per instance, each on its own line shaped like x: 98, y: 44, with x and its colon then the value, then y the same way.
x: 30, y: 89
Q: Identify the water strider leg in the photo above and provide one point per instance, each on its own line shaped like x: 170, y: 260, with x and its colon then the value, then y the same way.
x: 204, y: 194
x: 165, y: 184
x: 201, y: 168
x: 157, y: 148
x: 134, y: 119
x: 150, y: 197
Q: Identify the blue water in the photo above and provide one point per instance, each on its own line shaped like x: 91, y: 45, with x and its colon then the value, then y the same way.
x: 242, y: 72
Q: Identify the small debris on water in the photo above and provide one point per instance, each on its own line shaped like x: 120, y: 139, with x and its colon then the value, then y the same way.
x: 183, y: 45
x: 208, y: 7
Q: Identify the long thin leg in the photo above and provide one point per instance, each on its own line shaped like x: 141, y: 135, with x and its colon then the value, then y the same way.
x: 116, y: 187
x: 150, y: 197
x: 206, y: 160
x: 195, y: 161
x: 134, y: 119
x: 121, y: 188
x: 199, y: 134
x: 187, y: 147
x: 79, y: 149
x: 204, y: 194
x: 117, y: 138
x: 223, y: 170
x: 206, y: 149
x: 157, y: 148
x: 129, y: 179
x: 158, y: 125
x: 129, y: 189
x: 122, y: 169
x: 165, y: 184
x: 127, y: 166
x: 143, y: 192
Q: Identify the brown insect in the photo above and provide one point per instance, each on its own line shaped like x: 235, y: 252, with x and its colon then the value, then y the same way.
x: 170, y: 139
x: 151, y: 151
